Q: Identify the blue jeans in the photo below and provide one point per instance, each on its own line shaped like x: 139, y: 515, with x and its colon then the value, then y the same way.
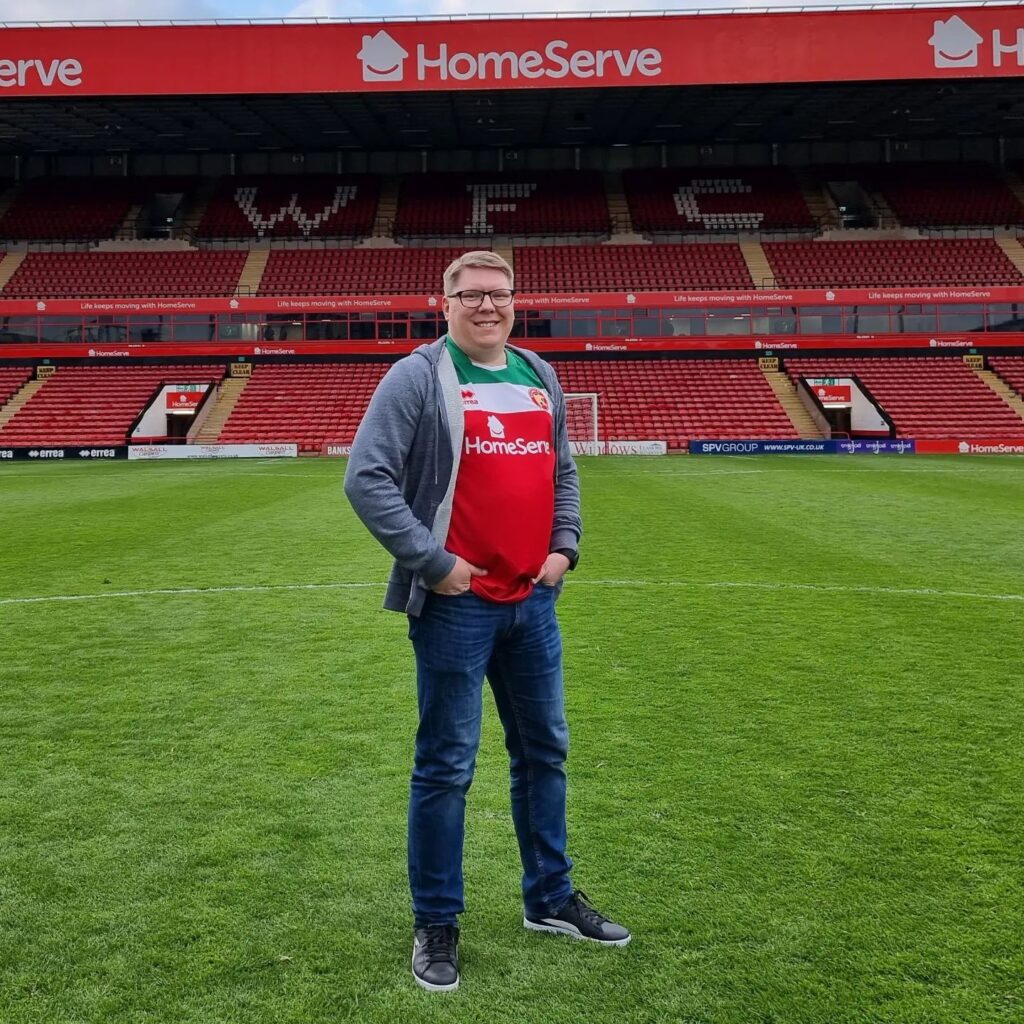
x: 457, y: 641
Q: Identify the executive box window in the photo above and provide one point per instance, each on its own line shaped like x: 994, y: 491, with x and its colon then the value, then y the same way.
x: 140, y: 331
x: 683, y: 325
x: 774, y: 320
x: 962, y: 318
x: 584, y: 327
x: 363, y: 327
x: 646, y: 323
x: 240, y: 326
x: 194, y: 327
x: 868, y: 320
x: 914, y: 319
x: 1005, y: 317
x: 728, y: 322
x: 615, y: 328
x: 19, y: 329
x: 552, y: 324
x: 327, y: 327
x: 425, y: 326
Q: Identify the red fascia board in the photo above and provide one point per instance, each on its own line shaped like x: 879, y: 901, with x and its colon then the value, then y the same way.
x: 596, y: 347
x: 706, y: 49
x: 312, y: 304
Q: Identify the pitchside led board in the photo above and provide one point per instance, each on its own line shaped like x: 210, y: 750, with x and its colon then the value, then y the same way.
x: 707, y: 49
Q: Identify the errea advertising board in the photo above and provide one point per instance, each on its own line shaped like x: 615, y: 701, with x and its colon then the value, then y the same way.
x: 681, y: 49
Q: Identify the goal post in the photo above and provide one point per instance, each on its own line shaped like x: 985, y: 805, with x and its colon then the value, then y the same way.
x: 581, y: 417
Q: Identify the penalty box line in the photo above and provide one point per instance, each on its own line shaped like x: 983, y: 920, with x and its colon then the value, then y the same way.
x: 623, y: 584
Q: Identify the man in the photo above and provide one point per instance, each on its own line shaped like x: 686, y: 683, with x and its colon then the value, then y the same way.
x: 461, y: 468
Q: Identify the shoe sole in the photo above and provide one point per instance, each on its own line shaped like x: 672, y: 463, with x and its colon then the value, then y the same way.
x: 428, y: 986
x: 535, y: 926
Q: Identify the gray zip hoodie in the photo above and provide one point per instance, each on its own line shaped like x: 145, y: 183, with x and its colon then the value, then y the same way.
x: 402, y: 471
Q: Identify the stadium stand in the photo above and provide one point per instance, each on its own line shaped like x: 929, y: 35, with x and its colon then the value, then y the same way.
x: 355, y: 271
x: 926, y: 262
x: 69, y: 209
x: 482, y: 205
x: 291, y: 206
x: 1011, y: 369
x: 304, y: 404
x: 926, y: 397
x: 12, y: 379
x: 52, y: 275
x: 678, y: 400
x: 943, y: 194
x: 595, y: 268
x: 709, y: 199
x: 93, y: 405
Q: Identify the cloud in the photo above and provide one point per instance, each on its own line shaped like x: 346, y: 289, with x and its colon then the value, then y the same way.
x: 424, y: 8
x: 166, y: 10
x: 106, y: 10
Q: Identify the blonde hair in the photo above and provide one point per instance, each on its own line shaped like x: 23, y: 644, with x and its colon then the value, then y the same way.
x: 477, y: 258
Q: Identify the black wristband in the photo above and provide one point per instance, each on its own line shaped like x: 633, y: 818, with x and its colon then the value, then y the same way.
x: 573, y: 556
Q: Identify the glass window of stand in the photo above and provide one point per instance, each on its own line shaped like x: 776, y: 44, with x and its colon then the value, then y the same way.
x: 724, y: 322
x: 962, y: 318
x: 22, y: 330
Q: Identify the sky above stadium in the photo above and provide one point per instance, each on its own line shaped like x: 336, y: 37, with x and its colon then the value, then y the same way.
x: 116, y: 10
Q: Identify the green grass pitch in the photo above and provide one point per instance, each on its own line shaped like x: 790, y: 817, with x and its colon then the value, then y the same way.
x: 795, y: 696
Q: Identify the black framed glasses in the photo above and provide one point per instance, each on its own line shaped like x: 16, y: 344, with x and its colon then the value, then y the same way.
x: 471, y: 297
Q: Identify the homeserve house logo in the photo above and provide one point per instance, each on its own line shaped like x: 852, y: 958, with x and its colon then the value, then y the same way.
x: 383, y: 59
x: 497, y: 445
x: 37, y: 70
x: 957, y: 45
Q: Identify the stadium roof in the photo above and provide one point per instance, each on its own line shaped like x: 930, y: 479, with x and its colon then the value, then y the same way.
x: 517, y: 119
x: 826, y: 77
x: 695, y: 8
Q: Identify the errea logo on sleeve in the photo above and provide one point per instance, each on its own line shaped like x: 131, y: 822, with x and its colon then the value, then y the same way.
x: 32, y: 70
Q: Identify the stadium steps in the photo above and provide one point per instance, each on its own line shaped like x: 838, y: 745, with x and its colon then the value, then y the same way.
x: 818, y: 201
x: 18, y: 399
x: 9, y: 266
x: 885, y: 216
x: 757, y: 263
x: 1013, y: 180
x: 507, y: 253
x: 1003, y: 390
x: 1013, y: 249
x: 252, y: 273
x: 785, y: 391
x: 227, y: 398
x: 6, y: 198
x: 128, y: 227
x: 387, y: 208
x: 195, y: 206
x: 618, y: 206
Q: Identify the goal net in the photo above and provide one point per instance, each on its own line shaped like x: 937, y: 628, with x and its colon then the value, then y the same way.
x: 581, y: 420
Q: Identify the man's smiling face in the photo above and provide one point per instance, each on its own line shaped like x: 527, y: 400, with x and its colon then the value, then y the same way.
x: 480, y: 332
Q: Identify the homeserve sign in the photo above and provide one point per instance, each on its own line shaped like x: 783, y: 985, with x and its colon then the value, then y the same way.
x: 384, y: 60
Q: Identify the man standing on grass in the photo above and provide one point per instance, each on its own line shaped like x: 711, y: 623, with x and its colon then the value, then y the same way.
x: 461, y: 469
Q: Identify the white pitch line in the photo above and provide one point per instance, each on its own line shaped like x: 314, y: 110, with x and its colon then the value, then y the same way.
x: 174, y: 592
x: 689, y: 584
x: 817, y: 587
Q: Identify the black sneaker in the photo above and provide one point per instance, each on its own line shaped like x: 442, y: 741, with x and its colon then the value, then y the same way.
x: 435, y: 957
x: 580, y: 920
